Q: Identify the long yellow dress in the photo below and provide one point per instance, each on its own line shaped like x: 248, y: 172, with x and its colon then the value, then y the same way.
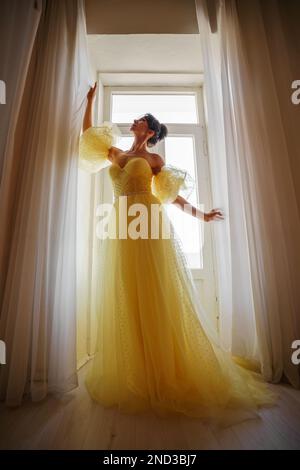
x: 153, y: 351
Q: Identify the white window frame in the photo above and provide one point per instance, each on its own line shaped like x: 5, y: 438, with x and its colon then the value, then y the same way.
x: 198, y: 131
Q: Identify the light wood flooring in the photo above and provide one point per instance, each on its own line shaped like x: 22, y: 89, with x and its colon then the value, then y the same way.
x: 76, y: 422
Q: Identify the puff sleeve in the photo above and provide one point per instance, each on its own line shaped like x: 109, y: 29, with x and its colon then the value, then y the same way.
x: 94, y: 144
x: 170, y: 181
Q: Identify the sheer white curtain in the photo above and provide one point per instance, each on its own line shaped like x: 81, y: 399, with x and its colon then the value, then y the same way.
x: 93, y: 190
x: 254, y: 156
x: 47, y: 76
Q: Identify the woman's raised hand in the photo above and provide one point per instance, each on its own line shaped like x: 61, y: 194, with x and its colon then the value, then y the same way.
x: 92, y: 92
x: 87, y: 118
x: 214, y: 214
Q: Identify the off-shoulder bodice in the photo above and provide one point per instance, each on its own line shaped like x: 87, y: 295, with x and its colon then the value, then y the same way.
x: 134, y: 177
x: 137, y: 175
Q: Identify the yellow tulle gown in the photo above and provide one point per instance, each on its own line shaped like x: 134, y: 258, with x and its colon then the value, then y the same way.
x: 153, y: 350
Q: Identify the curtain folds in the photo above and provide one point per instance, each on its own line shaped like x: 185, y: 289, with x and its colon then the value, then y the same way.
x: 39, y: 196
x: 253, y: 152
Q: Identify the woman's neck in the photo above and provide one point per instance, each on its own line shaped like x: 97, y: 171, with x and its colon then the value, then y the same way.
x: 138, y: 146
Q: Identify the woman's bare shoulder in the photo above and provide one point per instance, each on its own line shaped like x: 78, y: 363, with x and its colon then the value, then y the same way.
x: 113, y: 153
x: 158, y: 163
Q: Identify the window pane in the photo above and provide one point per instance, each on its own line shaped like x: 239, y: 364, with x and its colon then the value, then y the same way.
x: 180, y: 153
x: 177, y: 108
x: 125, y: 142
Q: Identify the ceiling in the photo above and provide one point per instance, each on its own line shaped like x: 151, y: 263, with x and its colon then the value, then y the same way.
x: 149, y: 58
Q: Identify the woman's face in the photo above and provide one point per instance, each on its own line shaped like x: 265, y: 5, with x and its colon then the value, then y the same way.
x: 140, y: 127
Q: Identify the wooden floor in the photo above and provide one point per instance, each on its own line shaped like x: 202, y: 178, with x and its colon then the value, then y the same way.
x: 75, y: 422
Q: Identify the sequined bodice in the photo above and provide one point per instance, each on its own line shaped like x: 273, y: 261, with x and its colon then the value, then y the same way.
x: 134, y: 177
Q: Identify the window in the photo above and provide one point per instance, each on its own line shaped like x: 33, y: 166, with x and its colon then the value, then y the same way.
x: 165, y: 107
x: 179, y: 151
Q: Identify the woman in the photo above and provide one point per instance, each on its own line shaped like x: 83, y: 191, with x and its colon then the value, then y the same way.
x: 155, y: 349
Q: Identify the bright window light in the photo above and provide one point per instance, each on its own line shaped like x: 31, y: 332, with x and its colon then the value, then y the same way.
x: 180, y: 153
x: 176, y: 108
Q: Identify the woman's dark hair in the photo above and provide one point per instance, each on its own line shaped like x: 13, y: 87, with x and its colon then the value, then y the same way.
x: 161, y: 131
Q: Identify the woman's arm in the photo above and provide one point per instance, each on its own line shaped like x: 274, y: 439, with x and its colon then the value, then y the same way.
x: 87, y: 120
x: 183, y: 204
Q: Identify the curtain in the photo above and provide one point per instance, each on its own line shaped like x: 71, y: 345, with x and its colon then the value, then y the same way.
x: 18, y: 26
x: 93, y: 190
x: 48, y: 80
x: 250, y: 49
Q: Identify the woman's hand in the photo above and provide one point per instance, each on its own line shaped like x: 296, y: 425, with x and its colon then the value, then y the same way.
x: 87, y: 119
x: 92, y: 92
x: 183, y: 204
x: 214, y: 214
